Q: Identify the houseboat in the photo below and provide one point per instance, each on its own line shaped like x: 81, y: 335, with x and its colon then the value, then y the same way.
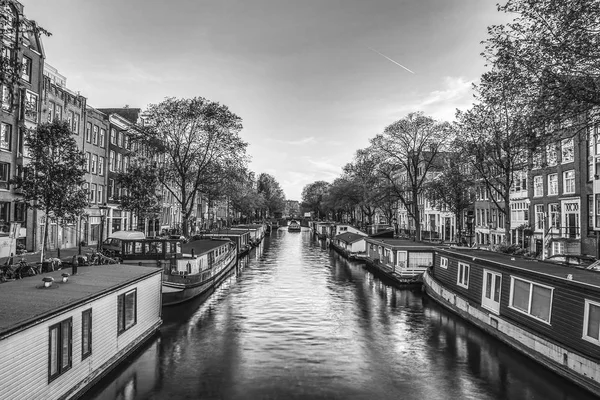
x: 402, y: 261
x: 294, y: 226
x: 241, y: 238
x: 324, y: 230
x: 350, y: 245
x: 257, y: 232
x: 548, y: 312
x: 189, y: 270
x: 60, y: 333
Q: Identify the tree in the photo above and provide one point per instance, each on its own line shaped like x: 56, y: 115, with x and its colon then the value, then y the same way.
x: 141, y: 190
x: 342, y: 197
x: 407, y: 151
x: 196, y: 140
x: 274, y: 198
x: 556, y: 46
x: 453, y: 187
x: 312, y: 197
x: 53, y: 181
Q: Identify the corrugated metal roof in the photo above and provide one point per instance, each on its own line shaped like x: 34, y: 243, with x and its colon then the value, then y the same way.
x: 25, y: 301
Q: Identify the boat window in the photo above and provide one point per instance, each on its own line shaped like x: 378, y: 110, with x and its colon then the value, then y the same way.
x: 159, y: 247
x: 463, y: 275
x: 178, y: 246
x: 137, y: 248
x: 128, y: 247
x: 591, y: 322
x: 420, y: 260
x: 531, y: 298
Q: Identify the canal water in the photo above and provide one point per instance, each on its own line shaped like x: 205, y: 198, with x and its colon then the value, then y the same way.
x: 296, y: 321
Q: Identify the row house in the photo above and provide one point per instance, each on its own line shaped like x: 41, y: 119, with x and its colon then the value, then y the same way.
x: 60, y: 104
x: 19, y: 111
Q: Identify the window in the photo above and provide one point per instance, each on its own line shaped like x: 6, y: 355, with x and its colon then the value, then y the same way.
x: 126, y: 310
x: 102, y: 136
x: 125, y: 163
x: 119, y: 166
x: 70, y: 118
x: 110, y: 190
x: 539, y: 216
x: 538, y: 186
x: 111, y: 162
x: 552, y: 184
x: 5, y: 136
x: 30, y: 106
x: 531, y: 298
x: 492, y: 284
x: 443, y: 262
x: 591, y: 322
x: 113, y: 136
x: 4, y: 175
x: 569, y: 181
x: 100, y: 165
x: 420, y: 259
x: 58, y: 112
x: 87, y: 161
x: 75, y: 124
x: 88, y: 132
x: 27, y: 65
x: 60, y: 352
x: 93, y: 190
x: 567, y: 151
x: 20, y: 212
x: 558, y: 248
x: 94, y: 163
x: 463, y: 275
x: 95, y: 135
x: 86, y: 333
x: 554, y: 215
x: 537, y: 160
x: 6, y: 98
x: 100, y: 196
x: 122, y: 140
x: 551, y: 155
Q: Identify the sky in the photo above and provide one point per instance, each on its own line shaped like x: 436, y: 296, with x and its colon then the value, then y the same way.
x: 312, y: 80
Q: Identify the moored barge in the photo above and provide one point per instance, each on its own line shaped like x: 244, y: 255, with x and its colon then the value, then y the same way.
x: 548, y: 312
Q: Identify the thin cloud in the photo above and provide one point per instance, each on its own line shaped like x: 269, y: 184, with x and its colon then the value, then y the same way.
x: 395, y: 62
x: 299, y: 142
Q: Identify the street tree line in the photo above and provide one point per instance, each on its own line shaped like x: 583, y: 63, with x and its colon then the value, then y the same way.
x: 542, y: 85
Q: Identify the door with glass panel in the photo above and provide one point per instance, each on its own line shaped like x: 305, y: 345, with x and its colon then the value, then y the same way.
x: 492, y: 283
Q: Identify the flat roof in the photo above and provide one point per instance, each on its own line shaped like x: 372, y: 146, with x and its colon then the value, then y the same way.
x: 401, y: 242
x: 203, y: 245
x: 25, y: 301
x: 251, y: 226
x: 537, y: 266
x: 225, y: 232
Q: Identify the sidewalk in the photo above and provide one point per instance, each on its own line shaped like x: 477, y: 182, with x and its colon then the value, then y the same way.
x: 65, y: 255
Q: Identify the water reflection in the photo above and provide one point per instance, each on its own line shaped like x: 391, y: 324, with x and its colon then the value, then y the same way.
x: 296, y: 321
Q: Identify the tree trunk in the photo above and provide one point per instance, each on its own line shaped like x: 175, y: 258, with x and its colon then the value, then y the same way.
x: 45, y: 239
x: 416, y: 215
x: 507, y: 222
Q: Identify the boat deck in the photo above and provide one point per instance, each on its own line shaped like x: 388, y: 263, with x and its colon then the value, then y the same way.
x: 26, y: 300
x: 542, y: 267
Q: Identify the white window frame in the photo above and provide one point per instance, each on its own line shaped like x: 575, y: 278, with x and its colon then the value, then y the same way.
x: 462, y: 278
x: 531, y: 284
x: 586, y: 317
x: 444, y: 262
x: 538, y: 183
x: 94, y: 168
x: 552, y: 191
x: 567, y: 148
x: 100, y: 165
x: 569, y: 185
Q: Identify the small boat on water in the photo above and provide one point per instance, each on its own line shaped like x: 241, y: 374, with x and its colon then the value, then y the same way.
x: 189, y: 270
x: 294, y: 226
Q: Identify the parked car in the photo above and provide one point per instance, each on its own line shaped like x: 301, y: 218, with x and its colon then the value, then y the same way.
x: 576, y: 260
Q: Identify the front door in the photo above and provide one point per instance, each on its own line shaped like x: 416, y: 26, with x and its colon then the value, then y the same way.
x: 492, y: 283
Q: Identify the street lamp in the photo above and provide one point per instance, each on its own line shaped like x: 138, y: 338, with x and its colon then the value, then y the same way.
x: 103, y: 209
x: 470, y: 227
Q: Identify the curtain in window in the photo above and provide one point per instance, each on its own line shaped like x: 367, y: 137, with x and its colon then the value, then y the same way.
x: 521, y: 295
x: 593, y: 329
x: 540, y: 302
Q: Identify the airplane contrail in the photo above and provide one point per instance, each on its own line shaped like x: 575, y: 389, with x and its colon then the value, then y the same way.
x: 397, y: 63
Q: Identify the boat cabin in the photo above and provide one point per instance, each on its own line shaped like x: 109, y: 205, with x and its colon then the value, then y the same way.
x: 551, y: 308
x: 201, y: 255
x: 59, y: 335
x: 241, y: 238
x: 350, y: 242
x: 347, y: 228
x: 257, y: 231
x: 403, y: 257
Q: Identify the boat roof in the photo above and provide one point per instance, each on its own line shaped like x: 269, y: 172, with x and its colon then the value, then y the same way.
x: 26, y: 302
x: 226, y: 232
x: 127, y: 235
x: 507, y: 261
x: 251, y: 226
x: 202, y: 246
x: 349, y: 237
x: 392, y: 242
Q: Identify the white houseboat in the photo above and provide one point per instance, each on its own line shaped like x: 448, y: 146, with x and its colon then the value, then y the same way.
x: 58, y: 338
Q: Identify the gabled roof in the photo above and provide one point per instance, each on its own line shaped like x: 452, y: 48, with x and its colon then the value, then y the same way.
x: 130, y: 114
x: 349, y: 237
